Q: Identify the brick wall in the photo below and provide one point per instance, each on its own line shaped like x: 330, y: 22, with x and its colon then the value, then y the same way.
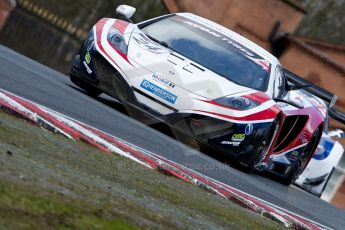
x: 335, y: 52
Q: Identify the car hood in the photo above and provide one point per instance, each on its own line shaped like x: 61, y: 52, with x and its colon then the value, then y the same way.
x: 184, y: 73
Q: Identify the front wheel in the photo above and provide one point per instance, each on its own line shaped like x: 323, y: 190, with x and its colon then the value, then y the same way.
x: 89, y: 89
x: 304, y: 159
x: 259, y: 156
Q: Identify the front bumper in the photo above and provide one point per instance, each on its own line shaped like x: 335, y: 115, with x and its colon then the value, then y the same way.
x: 239, y: 141
x: 282, y: 164
x: 83, y: 64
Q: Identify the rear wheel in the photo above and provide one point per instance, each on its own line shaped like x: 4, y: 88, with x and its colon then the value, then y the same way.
x: 304, y: 159
x: 89, y: 89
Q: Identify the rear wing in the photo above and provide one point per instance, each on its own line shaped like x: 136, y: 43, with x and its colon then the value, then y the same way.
x: 316, y: 90
x: 337, y: 115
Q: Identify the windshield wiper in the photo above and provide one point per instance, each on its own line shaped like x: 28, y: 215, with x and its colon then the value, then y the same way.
x: 163, y: 43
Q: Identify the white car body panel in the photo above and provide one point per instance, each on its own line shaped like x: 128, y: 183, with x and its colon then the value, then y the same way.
x: 315, y: 177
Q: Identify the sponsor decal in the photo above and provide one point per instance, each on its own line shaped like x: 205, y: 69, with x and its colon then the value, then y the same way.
x: 88, y: 57
x: 295, y: 153
x: 163, y: 81
x: 90, y: 46
x: 222, y: 37
x: 252, y: 56
x: 249, y: 129
x: 303, y: 138
x: 233, y: 143
x: 321, y: 108
x: 152, y: 88
x: 147, y: 44
x: 238, y: 137
x: 283, y: 105
x: 88, y: 70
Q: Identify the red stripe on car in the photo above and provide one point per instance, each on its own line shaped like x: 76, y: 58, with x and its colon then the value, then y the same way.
x: 267, y: 114
x: 259, y: 97
x: 99, y: 30
x: 121, y: 25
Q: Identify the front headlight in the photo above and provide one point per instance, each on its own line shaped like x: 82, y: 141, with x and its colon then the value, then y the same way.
x: 116, y: 38
x: 238, y: 103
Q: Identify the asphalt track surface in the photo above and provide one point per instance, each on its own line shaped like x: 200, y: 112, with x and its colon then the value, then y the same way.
x: 52, y: 89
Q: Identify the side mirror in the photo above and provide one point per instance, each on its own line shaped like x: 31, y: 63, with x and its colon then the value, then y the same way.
x: 125, y: 11
x: 294, y: 99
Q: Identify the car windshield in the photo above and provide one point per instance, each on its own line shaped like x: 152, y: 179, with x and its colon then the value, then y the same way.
x: 212, y: 50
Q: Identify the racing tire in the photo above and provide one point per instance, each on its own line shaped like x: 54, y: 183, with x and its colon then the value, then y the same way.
x: 257, y: 158
x: 304, y: 159
x: 88, y: 88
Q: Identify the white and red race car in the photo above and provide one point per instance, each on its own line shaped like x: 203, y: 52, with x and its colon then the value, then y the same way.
x: 208, y: 83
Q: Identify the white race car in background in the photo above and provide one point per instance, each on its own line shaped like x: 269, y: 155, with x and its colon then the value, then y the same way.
x: 315, y: 177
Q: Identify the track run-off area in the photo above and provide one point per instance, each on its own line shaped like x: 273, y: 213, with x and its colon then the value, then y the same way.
x: 44, y: 86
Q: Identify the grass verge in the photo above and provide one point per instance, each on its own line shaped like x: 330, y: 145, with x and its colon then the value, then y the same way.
x: 48, y: 181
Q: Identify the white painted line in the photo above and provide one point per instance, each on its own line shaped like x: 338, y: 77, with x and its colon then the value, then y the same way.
x: 31, y: 115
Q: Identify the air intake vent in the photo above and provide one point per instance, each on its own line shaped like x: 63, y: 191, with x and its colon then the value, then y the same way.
x: 292, y: 126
